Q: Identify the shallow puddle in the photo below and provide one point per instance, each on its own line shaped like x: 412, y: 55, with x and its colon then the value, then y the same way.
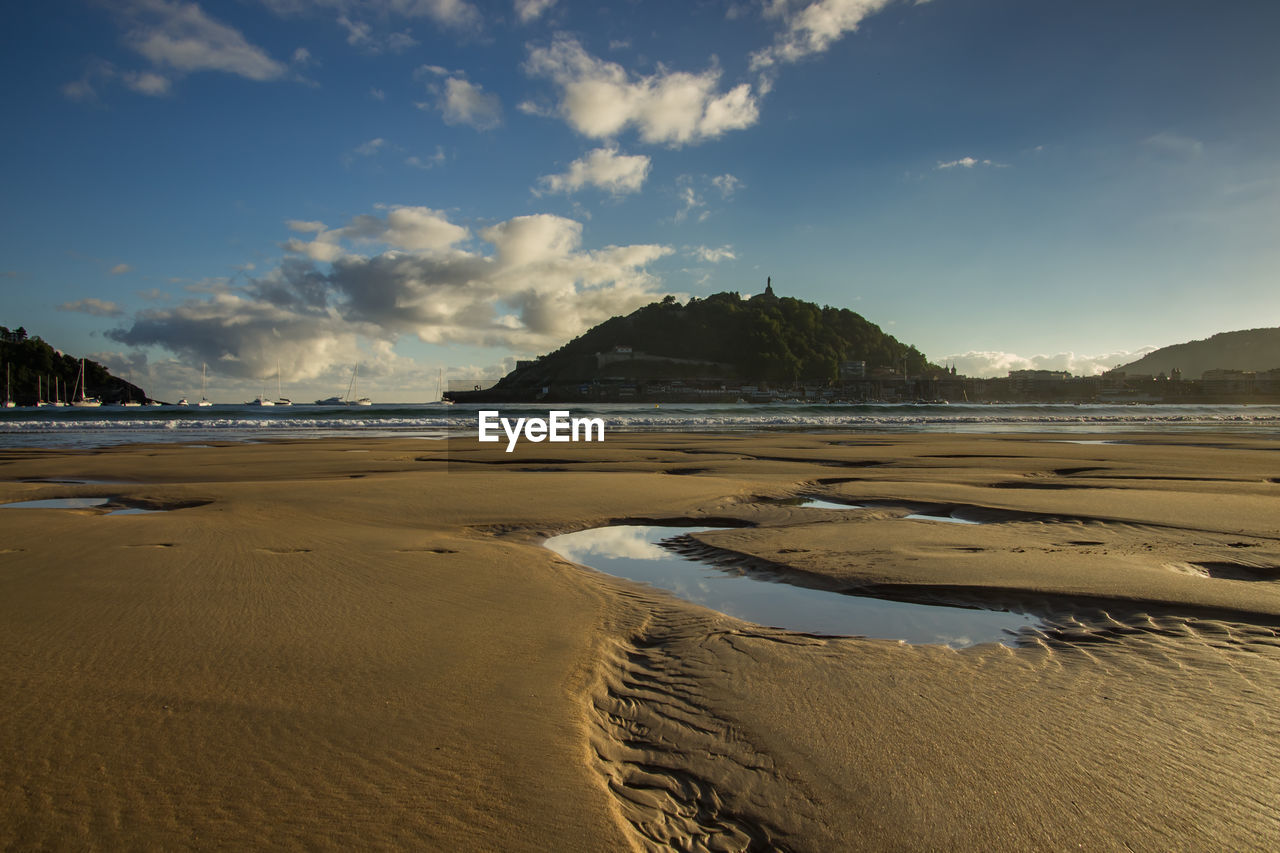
x: 78, y: 503
x: 818, y: 503
x: 58, y: 503
x: 634, y: 552
x: 953, y: 518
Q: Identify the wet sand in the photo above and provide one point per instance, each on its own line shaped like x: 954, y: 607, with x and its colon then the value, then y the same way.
x: 320, y: 648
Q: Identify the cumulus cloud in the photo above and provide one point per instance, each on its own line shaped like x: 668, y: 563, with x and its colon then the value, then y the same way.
x: 530, y: 286
x: 94, y: 307
x: 811, y: 27
x: 604, y: 168
x: 601, y: 99
x: 528, y: 10
x: 120, y: 269
x: 986, y: 364
x: 411, y: 228
x: 464, y: 102
x: 458, y: 99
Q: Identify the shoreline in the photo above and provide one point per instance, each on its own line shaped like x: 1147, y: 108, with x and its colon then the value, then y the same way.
x: 315, y: 647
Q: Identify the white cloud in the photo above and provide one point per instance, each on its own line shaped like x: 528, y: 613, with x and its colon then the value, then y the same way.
x: 428, y: 162
x: 147, y: 82
x: 604, y: 168
x: 458, y: 99
x: 377, y: 94
x: 99, y: 72
x: 727, y: 184
x: 714, y: 256
x: 601, y: 99
x: 95, y: 307
x: 967, y: 163
x: 120, y: 269
x: 302, y: 56
x: 691, y: 200
x: 986, y: 364
x: 535, y: 287
x: 180, y: 36
x: 464, y: 102
x: 368, y: 149
x: 528, y: 10
x: 305, y: 226
x: 811, y: 27
x: 411, y: 228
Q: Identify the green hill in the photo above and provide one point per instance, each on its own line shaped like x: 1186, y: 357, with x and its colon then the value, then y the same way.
x: 1251, y: 349
x: 31, y: 362
x: 763, y: 340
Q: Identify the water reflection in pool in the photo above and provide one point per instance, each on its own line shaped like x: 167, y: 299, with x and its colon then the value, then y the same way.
x: 78, y: 503
x: 633, y: 552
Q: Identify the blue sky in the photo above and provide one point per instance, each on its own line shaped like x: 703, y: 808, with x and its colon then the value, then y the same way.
x: 426, y: 185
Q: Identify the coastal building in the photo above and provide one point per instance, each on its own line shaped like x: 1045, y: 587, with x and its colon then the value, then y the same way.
x: 853, y: 369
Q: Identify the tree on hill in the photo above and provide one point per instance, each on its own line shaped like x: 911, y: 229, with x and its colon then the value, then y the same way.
x: 33, y: 365
x: 764, y: 338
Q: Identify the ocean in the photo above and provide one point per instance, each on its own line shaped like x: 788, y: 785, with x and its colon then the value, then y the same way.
x: 109, y: 425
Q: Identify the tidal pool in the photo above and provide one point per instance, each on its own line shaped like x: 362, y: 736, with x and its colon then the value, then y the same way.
x: 57, y: 503
x: 634, y: 552
x: 77, y: 503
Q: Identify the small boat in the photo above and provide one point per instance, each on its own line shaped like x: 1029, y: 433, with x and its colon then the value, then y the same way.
x: 281, y: 400
x: 57, y: 402
x: 204, y: 401
x: 131, y: 403
x: 183, y: 402
x: 81, y: 401
x: 261, y: 401
x: 154, y: 403
x: 440, y: 389
x: 8, y: 398
x: 349, y: 399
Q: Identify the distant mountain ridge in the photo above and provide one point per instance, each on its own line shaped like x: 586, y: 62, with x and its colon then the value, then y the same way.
x: 1249, y: 349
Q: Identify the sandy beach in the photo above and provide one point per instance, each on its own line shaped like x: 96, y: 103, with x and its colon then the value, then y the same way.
x: 344, y: 643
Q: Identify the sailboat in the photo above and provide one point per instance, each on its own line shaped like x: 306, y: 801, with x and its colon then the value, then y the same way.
x: 204, y: 401
x: 440, y: 389
x: 57, y: 401
x: 8, y: 398
x: 40, y: 403
x: 281, y: 400
x: 348, y: 400
x: 81, y: 401
x: 351, y: 400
